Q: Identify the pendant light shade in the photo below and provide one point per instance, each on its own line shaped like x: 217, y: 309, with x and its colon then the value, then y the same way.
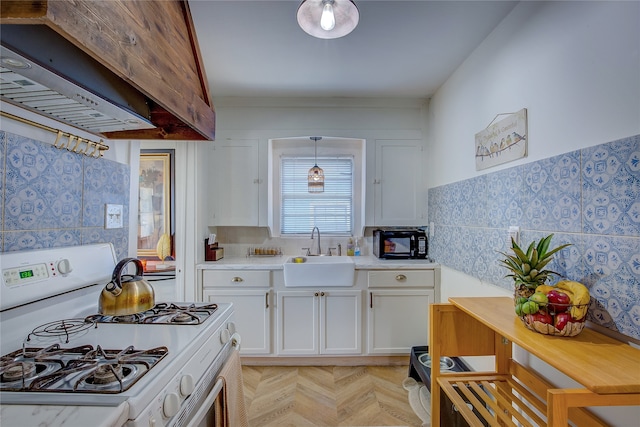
x: 328, y: 19
x: 315, y: 178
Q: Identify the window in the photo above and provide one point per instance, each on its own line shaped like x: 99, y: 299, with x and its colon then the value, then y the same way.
x: 331, y: 211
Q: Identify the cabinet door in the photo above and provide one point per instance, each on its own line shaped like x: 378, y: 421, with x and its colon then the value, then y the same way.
x: 397, y: 185
x: 235, y: 175
x: 252, y: 309
x: 297, y: 322
x: 398, y: 319
x: 340, y: 324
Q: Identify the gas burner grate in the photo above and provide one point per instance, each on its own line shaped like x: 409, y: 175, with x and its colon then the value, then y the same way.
x: 62, y: 328
x: 80, y: 369
x: 163, y: 314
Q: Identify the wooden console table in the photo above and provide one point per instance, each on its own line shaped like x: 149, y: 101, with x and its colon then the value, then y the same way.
x: 609, y: 370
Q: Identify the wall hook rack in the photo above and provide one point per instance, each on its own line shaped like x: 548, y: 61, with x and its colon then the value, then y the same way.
x: 66, y: 140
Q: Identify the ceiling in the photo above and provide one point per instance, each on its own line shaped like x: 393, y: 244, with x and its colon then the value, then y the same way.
x: 400, y: 49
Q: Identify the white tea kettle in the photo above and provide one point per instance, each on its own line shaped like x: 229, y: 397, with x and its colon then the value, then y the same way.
x: 124, y: 297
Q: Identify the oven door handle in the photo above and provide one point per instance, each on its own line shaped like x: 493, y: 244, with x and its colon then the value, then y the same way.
x: 207, y: 405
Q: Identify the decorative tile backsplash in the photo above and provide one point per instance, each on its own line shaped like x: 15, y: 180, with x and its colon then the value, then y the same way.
x: 589, y: 198
x: 54, y: 198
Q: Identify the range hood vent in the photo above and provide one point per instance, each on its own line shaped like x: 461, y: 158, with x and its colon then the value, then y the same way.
x: 59, y: 81
x: 130, y: 65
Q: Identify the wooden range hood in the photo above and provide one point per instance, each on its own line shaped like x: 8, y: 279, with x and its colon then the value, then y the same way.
x: 149, y: 45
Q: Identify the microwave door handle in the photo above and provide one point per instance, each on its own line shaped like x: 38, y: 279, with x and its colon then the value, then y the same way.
x: 413, y: 252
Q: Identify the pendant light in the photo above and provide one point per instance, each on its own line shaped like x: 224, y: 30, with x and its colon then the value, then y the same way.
x: 315, y: 178
x: 328, y: 19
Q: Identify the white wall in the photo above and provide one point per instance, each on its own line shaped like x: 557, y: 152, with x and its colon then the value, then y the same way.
x: 575, y: 66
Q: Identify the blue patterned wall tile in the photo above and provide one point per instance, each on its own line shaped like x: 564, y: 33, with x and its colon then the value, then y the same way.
x: 473, y: 209
x: 552, y: 194
x: 489, y: 243
x: 611, y: 188
x: 588, y: 198
x: 567, y: 262
x: 43, y: 186
x: 104, y: 182
x: 40, y: 239
x: 119, y: 237
x: 504, y: 197
x: 434, y: 204
x: 49, y: 183
x: 613, y: 265
x: 453, y: 212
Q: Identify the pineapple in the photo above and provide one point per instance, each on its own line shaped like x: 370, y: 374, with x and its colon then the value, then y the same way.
x: 527, y: 268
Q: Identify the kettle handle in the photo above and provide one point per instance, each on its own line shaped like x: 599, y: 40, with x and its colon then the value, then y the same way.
x: 117, y: 272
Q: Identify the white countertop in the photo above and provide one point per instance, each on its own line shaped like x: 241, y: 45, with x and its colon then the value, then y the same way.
x: 276, y: 263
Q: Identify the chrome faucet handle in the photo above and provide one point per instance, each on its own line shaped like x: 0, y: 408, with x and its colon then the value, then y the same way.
x: 339, y: 249
x: 329, y: 251
x: 308, y: 251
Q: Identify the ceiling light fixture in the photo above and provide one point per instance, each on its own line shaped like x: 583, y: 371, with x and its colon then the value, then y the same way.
x: 328, y: 19
x: 315, y: 178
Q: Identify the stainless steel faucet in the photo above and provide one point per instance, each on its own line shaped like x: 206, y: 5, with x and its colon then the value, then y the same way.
x: 314, y: 229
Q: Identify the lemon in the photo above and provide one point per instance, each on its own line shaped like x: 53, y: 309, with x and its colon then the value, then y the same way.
x: 530, y: 307
x: 539, y: 298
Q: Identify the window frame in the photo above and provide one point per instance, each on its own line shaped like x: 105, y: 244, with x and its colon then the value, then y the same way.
x: 298, y: 191
x: 327, y: 147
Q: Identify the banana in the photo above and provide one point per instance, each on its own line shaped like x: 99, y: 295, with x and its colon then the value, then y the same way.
x: 580, y: 299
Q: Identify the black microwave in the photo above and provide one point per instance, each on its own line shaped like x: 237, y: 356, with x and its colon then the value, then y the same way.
x: 400, y: 244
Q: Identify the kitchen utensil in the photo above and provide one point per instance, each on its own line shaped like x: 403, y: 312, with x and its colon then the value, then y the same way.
x: 125, y: 297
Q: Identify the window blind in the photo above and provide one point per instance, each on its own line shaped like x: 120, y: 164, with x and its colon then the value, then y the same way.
x: 331, y: 211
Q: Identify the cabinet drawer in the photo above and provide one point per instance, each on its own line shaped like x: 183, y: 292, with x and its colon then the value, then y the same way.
x: 404, y: 278
x: 236, y: 278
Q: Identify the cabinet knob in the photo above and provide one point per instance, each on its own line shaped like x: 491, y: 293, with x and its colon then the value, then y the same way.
x: 401, y: 277
x: 315, y: 294
x: 321, y: 294
x: 237, y: 279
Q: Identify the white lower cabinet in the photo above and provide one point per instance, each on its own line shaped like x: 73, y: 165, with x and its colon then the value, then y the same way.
x: 252, y: 317
x: 252, y: 306
x: 319, y: 322
x: 398, y: 319
x: 398, y: 309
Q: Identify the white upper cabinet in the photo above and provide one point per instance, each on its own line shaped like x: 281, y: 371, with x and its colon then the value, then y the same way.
x: 395, y: 191
x: 238, y: 185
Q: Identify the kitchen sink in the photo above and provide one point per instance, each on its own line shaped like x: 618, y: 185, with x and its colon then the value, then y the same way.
x: 318, y: 271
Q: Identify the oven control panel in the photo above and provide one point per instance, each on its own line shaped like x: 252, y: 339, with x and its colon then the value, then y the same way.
x: 25, y: 274
x: 29, y: 276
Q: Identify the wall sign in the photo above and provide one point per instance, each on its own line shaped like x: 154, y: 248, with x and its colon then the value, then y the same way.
x: 503, y: 141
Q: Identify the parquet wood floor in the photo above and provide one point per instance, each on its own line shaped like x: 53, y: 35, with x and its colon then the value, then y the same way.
x: 304, y: 396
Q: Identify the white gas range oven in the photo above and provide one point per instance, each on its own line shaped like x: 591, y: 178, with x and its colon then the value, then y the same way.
x: 63, y: 364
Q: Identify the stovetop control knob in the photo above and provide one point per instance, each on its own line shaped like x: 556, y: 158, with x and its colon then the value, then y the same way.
x: 186, y: 385
x: 171, y: 405
x: 225, y: 336
x: 64, y: 267
x: 231, y: 327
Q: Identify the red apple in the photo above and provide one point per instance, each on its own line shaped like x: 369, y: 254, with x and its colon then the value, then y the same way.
x: 543, y: 317
x: 561, y: 320
x: 558, y: 301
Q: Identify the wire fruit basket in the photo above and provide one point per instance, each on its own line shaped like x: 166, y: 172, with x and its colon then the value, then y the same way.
x: 554, y: 319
